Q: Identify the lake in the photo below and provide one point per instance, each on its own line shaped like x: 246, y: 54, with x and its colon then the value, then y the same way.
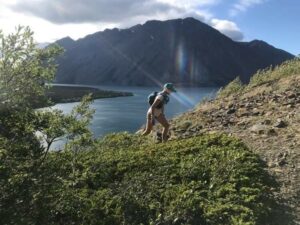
x: 129, y: 113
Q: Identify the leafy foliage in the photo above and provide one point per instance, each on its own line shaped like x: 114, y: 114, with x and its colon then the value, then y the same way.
x: 288, y: 68
x: 234, y: 87
x: 26, y: 134
x: 24, y: 69
x: 268, y: 75
x: 203, y: 180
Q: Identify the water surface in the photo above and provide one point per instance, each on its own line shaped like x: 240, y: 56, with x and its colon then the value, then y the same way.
x: 129, y: 113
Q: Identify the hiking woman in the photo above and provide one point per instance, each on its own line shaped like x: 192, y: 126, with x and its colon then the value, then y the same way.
x: 156, y: 111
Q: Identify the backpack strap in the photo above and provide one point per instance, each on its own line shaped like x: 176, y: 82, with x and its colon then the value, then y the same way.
x: 165, y: 98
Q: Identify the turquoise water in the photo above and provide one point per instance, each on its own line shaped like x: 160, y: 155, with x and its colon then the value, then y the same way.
x: 129, y: 113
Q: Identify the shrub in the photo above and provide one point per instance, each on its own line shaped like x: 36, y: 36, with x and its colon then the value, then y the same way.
x: 234, y: 87
x: 288, y: 68
x: 211, y: 179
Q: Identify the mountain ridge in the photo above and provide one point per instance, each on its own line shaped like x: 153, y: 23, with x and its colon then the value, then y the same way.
x: 183, y: 51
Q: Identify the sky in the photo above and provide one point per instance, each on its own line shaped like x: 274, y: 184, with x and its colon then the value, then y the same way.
x: 273, y: 21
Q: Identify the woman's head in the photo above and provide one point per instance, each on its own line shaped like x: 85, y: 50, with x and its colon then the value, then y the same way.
x: 169, y: 87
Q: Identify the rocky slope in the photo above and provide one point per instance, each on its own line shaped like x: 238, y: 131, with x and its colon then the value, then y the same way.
x: 266, y: 116
x: 183, y: 51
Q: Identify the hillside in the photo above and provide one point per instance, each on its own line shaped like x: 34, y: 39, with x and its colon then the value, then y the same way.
x: 233, y: 160
x: 182, y: 51
x: 248, y: 175
x: 266, y: 116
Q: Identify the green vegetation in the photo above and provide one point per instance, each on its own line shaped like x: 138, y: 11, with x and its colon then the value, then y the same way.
x: 24, y: 69
x: 63, y: 94
x: 121, y: 179
x: 203, y: 180
x: 288, y: 68
x: 265, y: 76
x: 234, y: 87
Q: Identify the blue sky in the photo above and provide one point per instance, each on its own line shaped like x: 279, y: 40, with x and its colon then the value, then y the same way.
x: 273, y: 21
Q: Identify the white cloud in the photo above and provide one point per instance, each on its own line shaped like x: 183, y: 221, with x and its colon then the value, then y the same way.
x: 228, y: 28
x: 45, y: 31
x: 190, y: 3
x: 244, y: 5
x: 54, y: 19
x: 91, y: 11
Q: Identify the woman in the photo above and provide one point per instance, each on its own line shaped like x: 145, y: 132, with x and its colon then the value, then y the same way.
x: 156, y: 111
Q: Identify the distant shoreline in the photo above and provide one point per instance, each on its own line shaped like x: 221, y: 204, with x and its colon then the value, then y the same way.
x: 67, y: 94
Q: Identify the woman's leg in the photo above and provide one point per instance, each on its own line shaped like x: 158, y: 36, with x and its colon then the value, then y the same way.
x: 149, y: 124
x: 164, y: 122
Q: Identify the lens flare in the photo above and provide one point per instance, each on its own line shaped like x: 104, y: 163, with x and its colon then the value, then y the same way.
x: 184, y: 99
x: 134, y: 63
x: 181, y: 60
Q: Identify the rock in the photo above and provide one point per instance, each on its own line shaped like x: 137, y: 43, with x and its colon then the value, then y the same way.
x: 185, y: 125
x: 256, y: 113
x: 226, y: 124
x: 241, y: 123
x: 230, y: 106
x: 269, y: 113
x: 258, y: 129
x: 271, y: 164
x: 291, y: 95
x: 280, y: 123
x: 194, y: 129
x: 199, y: 127
x: 243, y: 113
x: 271, y: 132
x: 248, y: 105
x: 266, y: 122
x: 281, y: 158
x: 231, y: 111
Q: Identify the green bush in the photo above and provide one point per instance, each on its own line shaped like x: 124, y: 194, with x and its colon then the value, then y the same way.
x: 288, y: 68
x: 234, y: 87
x: 210, y: 179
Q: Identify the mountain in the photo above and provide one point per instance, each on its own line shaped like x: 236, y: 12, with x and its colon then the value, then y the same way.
x: 67, y: 43
x: 183, y: 51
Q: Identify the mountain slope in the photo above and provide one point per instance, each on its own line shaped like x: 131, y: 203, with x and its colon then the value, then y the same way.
x: 266, y: 116
x: 184, y: 51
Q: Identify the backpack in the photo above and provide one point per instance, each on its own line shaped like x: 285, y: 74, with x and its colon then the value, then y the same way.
x: 152, y: 96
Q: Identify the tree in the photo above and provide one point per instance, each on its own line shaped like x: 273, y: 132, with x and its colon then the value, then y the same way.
x: 24, y: 69
x: 26, y: 134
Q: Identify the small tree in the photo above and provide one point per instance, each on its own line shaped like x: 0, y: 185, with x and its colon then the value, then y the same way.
x: 27, y: 184
x: 24, y: 69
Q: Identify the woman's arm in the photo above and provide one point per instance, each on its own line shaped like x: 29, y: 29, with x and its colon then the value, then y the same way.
x: 155, y: 103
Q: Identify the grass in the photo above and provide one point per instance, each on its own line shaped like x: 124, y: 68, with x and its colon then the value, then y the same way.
x: 266, y: 76
x: 210, y: 179
x: 234, y: 87
x: 288, y: 68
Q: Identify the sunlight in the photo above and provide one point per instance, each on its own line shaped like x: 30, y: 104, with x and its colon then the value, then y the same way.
x: 181, y: 60
x: 132, y: 62
x: 184, y: 99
